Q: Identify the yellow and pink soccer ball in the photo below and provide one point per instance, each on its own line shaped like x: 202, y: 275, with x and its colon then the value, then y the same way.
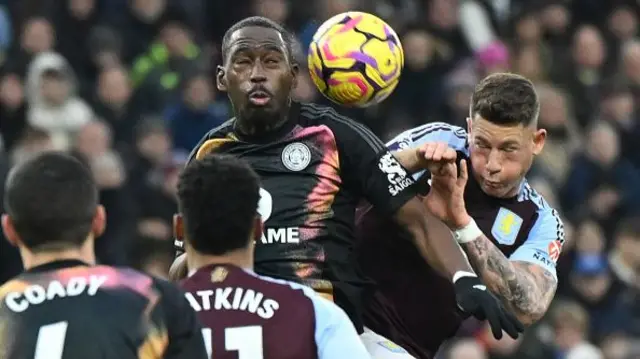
x: 355, y: 59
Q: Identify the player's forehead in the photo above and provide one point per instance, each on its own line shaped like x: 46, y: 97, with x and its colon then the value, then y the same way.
x: 495, y: 134
x: 254, y: 38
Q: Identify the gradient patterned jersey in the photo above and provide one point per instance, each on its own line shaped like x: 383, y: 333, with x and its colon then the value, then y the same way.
x: 314, y: 172
x: 249, y: 316
x: 525, y: 228
x: 68, y: 309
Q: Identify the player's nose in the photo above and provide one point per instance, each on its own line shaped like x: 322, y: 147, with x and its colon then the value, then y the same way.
x: 493, y: 163
x: 257, y: 73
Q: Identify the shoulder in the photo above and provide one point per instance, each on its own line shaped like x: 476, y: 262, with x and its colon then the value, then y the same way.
x: 217, y: 132
x: 320, y: 304
x: 343, y: 127
x: 221, y: 130
x: 455, y: 136
x: 548, y: 225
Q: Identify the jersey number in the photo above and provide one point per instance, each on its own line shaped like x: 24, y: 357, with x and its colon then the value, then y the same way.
x: 50, y: 342
x: 247, y: 341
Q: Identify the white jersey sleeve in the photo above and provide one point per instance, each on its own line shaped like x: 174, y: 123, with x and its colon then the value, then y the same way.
x: 454, y: 136
x: 336, y: 337
x: 546, y: 238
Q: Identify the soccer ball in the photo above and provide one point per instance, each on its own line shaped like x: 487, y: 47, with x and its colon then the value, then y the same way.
x: 355, y: 59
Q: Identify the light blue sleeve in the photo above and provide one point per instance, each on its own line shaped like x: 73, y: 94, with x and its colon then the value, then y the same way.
x: 335, y: 335
x: 455, y: 136
x: 544, y: 244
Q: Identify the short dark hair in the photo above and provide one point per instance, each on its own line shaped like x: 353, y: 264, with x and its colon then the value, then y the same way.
x: 258, y: 21
x: 506, y: 99
x: 51, y: 200
x: 218, y: 198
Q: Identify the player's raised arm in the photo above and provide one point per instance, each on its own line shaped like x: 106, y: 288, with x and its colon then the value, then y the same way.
x: 503, y: 139
x: 378, y: 175
x: 526, y: 282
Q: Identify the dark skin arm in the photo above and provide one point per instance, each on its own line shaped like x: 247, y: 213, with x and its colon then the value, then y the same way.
x: 433, y: 239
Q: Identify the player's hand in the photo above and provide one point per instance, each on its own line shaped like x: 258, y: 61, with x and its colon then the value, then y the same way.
x: 437, y: 157
x: 474, y: 299
x: 446, y: 196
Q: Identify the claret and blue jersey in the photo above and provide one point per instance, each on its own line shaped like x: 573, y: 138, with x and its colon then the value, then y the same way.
x: 525, y: 228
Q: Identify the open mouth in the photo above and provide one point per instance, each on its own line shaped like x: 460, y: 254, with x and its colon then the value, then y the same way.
x: 259, y: 98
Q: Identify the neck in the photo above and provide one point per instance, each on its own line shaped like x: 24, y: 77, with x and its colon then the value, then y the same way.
x: 84, y: 253
x: 242, y: 258
x: 252, y: 128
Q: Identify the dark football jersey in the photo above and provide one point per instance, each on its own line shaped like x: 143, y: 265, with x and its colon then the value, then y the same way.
x: 525, y: 228
x: 314, y: 172
x: 68, y: 309
x: 249, y: 316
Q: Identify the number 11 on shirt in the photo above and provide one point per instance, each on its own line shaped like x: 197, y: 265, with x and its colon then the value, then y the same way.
x: 247, y: 341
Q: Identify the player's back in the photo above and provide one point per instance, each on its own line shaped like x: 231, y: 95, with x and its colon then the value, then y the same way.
x: 249, y: 316
x: 68, y: 309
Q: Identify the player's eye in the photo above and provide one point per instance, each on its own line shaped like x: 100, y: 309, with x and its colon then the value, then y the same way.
x: 242, y: 61
x: 482, y: 145
x: 271, y: 61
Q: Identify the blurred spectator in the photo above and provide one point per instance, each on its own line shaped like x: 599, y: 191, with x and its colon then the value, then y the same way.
x: 571, y: 326
x: 54, y: 106
x: 158, y: 73
x: 37, y: 36
x: 115, y: 103
x: 74, y: 20
x: 562, y: 136
x: 196, y: 113
x: 586, y: 70
x: 600, y: 178
x: 139, y: 25
x: 12, y: 110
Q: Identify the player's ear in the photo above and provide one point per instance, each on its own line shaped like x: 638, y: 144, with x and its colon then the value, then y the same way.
x: 469, y: 124
x: 178, y: 227
x: 99, y: 222
x: 10, y: 231
x: 221, y: 79
x: 295, y: 71
x: 539, y: 138
x: 258, y: 227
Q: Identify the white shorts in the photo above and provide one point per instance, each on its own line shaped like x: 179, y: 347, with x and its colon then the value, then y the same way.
x: 382, y: 348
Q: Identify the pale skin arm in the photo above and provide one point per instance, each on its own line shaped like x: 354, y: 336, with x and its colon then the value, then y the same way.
x: 526, y: 289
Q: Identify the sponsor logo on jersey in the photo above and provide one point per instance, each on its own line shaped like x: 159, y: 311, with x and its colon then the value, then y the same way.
x: 391, y: 346
x: 281, y: 235
x: 265, y: 205
x: 554, y: 249
x: 506, y: 226
x: 543, y: 258
x: 396, y: 175
x: 296, y: 156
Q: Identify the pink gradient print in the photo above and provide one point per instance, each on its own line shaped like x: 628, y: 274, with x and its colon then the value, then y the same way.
x: 321, y: 197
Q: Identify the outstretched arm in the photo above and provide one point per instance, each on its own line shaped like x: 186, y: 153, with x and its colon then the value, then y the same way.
x: 432, y: 239
x: 526, y: 289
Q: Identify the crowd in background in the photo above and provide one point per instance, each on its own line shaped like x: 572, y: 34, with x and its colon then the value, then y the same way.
x: 127, y: 86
